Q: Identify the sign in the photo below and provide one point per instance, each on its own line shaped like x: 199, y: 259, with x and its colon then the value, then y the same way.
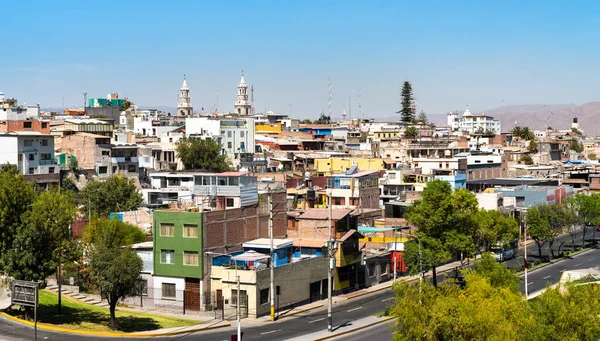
x: 24, y: 293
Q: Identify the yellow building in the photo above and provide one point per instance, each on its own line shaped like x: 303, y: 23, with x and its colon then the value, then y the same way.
x: 329, y: 166
x: 268, y: 129
x: 386, y: 134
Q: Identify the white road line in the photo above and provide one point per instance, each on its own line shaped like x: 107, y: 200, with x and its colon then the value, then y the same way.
x: 578, y: 264
x: 530, y: 283
x: 563, y: 270
x: 321, y: 319
x: 590, y: 259
x: 387, y: 299
x: 547, y: 277
x: 272, y: 331
x: 354, y: 309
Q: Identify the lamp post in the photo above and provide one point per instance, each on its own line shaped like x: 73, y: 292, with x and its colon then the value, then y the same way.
x: 239, y: 324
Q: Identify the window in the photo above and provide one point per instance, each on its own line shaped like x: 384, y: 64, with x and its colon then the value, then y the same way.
x: 27, y: 125
x: 242, y: 135
x: 391, y: 176
x: 20, y: 157
x: 31, y: 157
x: 264, y: 296
x: 31, y: 170
x: 44, y: 143
x: 243, y: 298
x: 131, y: 168
x: 50, y: 170
x: 190, y: 231
x: 190, y: 258
x: 371, y: 269
x: 102, y: 169
x: 168, y: 290
x: 229, y: 145
x: 167, y: 230
x: 45, y: 156
x: 230, y: 202
x: 167, y: 257
x: 28, y: 143
x: 44, y: 125
x: 242, y: 146
x: 229, y: 133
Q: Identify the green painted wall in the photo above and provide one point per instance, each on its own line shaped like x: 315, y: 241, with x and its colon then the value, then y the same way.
x: 177, y: 243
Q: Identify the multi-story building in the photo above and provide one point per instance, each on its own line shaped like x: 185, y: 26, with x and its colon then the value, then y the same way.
x: 124, y: 159
x: 353, y: 189
x: 33, y: 154
x: 473, y: 124
x: 90, y: 150
x: 10, y: 110
x: 26, y: 125
x: 91, y: 125
x: 235, y: 135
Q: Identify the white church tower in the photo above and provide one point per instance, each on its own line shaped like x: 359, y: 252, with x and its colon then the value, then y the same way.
x: 242, y: 105
x: 184, y: 108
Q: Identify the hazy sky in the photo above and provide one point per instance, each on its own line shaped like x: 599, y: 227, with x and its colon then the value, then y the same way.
x: 454, y: 53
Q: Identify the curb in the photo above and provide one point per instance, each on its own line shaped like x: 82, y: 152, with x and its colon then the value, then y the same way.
x: 355, y: 329
x: 110, y: 334
x: 299, y: 312
x: 558, y: 260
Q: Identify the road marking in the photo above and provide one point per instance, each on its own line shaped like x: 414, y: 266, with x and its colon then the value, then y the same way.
x: 321, y: 319
x: 354, y: 309
x: 563, y: 270
x: 547, y: 277
x: 387, y: 299
x: 272, y: 331
x: 590, y: 259
x: 530, y: 283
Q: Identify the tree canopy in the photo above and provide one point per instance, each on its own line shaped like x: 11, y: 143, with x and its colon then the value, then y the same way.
x: 116, y: 194
x: 411, y: 132
x: 202, y: 154
x: 407, y: 112
x: 575, y: 145
x: 112, y: 233
x: 546, y: 222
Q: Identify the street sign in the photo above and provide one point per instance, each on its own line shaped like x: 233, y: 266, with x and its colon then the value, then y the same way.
x: 24, y: 293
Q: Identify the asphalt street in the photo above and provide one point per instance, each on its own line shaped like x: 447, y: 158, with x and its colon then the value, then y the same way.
x: 344, y: 312
x: 381, y: 332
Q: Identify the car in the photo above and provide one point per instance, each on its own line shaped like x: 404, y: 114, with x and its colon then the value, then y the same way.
x: 598, y: 228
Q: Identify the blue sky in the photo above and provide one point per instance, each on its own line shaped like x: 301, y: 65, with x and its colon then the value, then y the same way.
x: 481, y: 53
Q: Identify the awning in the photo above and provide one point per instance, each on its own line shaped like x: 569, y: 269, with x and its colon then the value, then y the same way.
x: 250, y: 256
x: 371, y: 229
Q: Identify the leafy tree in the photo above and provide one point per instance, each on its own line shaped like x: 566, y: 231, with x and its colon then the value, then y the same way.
x: 202, y: 154
x: 323, y: 119
x: 480, y: 131
x: 546, y: 222
x: 422, y: 119
x: 16, y: 197
x: 115, y: 272
x: 445, y: 222
x: 533, y: 146
x: 411, y: 132
x: 587, y: 211
x: 516, y: 131
x: 67, y: 184
x: 41, y: 237
x: 575, y: 145
x: 592, y: 156
x: 116, y: 194
x: 526, y: 159
x: 493, y: 226
x: 126, y: 105
x: 498, y: 274
x: 538, y: 227
x: 480, y: 311
x: 72, y: 163
x: 407, y: 113
x: 112, y: 233
x: 523, y: 132
x: 306, y: 121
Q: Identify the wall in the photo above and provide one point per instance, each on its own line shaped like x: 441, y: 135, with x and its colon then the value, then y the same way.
x: 9, y: 150
x: 178, y: 243
x: 156, y: 289
x: 18, y: 125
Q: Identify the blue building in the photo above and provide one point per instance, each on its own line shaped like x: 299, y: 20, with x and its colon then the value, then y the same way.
x: 456, y: 178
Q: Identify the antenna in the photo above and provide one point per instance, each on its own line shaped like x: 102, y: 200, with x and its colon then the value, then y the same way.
x: 360, y: 112
x: 252, y: 98
x: 329, y: 111
x: 349, y: 106
x: 84, y: 99
x: 344, y: 112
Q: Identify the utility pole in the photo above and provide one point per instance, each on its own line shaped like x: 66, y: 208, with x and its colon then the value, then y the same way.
x: 239, y: 303
x: 270, y: 205
x: 395, y: 253
x: 525, y: 258
x: 330, y: 269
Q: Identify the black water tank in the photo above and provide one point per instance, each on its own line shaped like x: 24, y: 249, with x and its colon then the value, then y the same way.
x: 311, y: 194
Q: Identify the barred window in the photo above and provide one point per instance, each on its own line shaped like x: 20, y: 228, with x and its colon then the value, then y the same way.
x: 168, y: 290
x: 243, y: 296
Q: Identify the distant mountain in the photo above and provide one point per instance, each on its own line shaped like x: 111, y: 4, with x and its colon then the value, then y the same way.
x: 539, y: 116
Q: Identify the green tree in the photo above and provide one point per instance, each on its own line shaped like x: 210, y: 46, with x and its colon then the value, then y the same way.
x: 67, y: 184
x: 112, y: 233
x: 538, y: 227
x: 481, y: 311
x: 115, y: 272
x: 411, y: 132
x: 116, y: 194
x: 41, y: 238
x: 445, y: 222
x: 526, y: 159
x: 592, y: 156
x: 546, y: 222
x: 422, y: 119
x: 575, y: 145
x: 498, y: 274
x: 533, y: 146
x: 407, y: 113
x: 202, y: 154
x: 323, y: 119
x: 306, y: 121
x: 587, y: 211
x: 126, y: 105
x: 16, y: 197
x: 493, y: 226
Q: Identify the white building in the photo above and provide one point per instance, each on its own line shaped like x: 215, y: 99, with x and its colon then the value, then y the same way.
x: 473, y: 123
x: 184, y: 108
x: 242, y: 105
x: 235, y: 135
x: 10, y: 110
x: 32, y: 152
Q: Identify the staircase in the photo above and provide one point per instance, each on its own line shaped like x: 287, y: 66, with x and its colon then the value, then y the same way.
x: 89, y: 299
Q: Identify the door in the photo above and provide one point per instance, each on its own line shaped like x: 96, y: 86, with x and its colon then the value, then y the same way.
x: 192, y: 294
x: 315, y: 291
x: 219, y: 299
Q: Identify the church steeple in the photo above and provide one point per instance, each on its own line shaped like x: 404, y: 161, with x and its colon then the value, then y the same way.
x: 242, y: 106
x: 184, y: 108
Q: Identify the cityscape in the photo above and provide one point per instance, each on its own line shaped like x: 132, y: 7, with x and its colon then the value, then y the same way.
x: 303, y: 197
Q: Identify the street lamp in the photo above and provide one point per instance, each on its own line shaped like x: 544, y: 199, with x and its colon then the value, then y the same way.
x: 239, y: 324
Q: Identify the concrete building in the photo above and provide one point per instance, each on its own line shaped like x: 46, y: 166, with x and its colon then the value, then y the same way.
x: 235, y: 135
x: 243, y: 106
x: 31, y: 152
x: 353, y: 189
x: 25, y: 125
x: 10, y: 110
x: 184, y: 107
x: 92, y: 126
x: 474, y: 124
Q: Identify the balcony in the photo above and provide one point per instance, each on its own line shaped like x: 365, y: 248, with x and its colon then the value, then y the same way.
x: 46, y: 162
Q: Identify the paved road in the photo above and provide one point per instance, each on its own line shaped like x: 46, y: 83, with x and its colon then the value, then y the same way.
x: 344, y: 313
x: 381, y: 332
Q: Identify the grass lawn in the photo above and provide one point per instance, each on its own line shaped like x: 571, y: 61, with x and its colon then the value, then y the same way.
x: 86, y: 317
